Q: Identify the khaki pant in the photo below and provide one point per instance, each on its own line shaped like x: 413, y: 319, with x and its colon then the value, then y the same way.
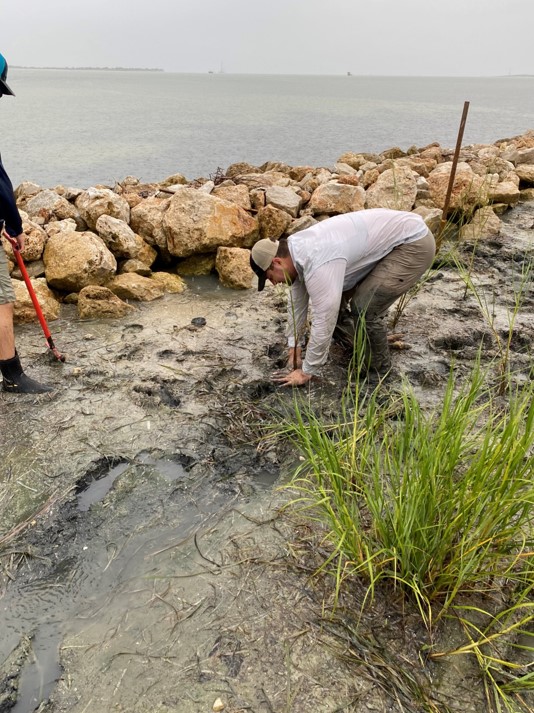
x: 394, y: 275
x: 7, y: 295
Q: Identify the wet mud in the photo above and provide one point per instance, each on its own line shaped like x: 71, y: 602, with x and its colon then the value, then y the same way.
x: 144, y: 562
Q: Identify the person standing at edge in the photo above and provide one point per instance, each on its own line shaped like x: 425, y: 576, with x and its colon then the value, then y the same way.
x: 364, y: 261
x: 14, y: 378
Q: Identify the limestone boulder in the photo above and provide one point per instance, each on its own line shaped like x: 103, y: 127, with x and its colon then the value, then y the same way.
x: 48, y: 205
x: 34, y: 269
x: 77, y: 259
x: 257, y: 198
x: 23, y: 309
x: 369, y: 177
x: 284, y: 198
x: 25, y: 191
x: 419, y: 164
x: 395, y: 188
x: 235, y: 194
x: 134, y: 265
x: 98, y: 302
x: 95, y: 202
x: 357, y: 160
x: 394, y: 152
x: 130, y: 286
x: 423, y: 191
x: 145, y: 252
x: 174, y: 180
x: 297, y: 173
x: 240, y: 168
x: 196, y: 222
x: 433, y: 151
x: 276, y: 166
x: 334, y: 197
x: 60, y: 226
x: 34, y: 242
x: 431, y: 216
x: 496, y: 164
x: 469, y: 189
x: 172, y: 284
x: 305, y: 221
x: 527, y: 194
x: 343, y: 169
x: 484, y: 224
x: 317, y: 178
x: 263, y: 180
x: 196, y: 265
x: 273, y: 222
x: 525, y: 172
x: 146, y: 219
x: 233, y: 267
x: 118, y: 236
x: 525, y: 156
x: 504, y: 192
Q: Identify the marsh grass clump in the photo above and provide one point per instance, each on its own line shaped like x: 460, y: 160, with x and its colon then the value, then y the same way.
x: 437, y: 506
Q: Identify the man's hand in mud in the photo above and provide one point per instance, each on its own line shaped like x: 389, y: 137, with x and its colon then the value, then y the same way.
x: 294, y: 378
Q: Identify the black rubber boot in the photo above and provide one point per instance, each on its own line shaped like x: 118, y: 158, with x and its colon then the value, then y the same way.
x: 15, y: 381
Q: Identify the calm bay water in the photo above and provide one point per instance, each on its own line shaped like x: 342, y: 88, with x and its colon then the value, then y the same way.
x: 79, y: 128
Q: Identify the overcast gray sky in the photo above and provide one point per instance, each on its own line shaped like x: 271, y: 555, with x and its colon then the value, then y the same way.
x: 400, y: 37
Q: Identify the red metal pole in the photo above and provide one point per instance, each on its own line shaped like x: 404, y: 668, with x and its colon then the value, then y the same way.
x: 33, y: 296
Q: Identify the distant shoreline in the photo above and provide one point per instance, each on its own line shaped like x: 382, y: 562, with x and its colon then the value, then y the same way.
x: 99, y: 69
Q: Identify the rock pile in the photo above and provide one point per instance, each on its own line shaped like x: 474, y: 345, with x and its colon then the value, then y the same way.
x: 101, y: 246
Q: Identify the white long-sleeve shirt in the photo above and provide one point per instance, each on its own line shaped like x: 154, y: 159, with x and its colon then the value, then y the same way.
x: 333, y: 256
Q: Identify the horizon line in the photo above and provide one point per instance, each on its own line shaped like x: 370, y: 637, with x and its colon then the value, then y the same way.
x: 267, y: 74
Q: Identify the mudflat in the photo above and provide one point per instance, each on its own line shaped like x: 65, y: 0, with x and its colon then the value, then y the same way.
x: 145, y: 563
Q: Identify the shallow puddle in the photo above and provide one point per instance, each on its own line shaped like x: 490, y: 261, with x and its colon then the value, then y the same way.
x: 124, y: 519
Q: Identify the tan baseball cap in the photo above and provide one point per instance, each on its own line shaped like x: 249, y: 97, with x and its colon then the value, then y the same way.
x: 261, y: 257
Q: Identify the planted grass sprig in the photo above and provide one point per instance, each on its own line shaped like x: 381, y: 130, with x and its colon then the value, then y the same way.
x: 438, y: 504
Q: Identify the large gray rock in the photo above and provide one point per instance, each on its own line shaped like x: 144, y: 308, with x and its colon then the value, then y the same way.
x: 395, y: 188
x: 333, y: 197
x: 75, y: 260
x: 263, y: 180
x: 130, y: 286
x: 484, y: 224
x: 504, y: 192
x: 97, y: 302
x: 118, y: 236
x: 525, y: 172
x: 233, y: 266
x: 49, y: 205
x: 431, y: 216
x: 196, y: 222
x: 95, y: 202
x: 146, y: 219
x: 25, y: 191
x: 235, y: 194
x: 273, y: 222
x: 34, y: 242
x: 469, y: 190
x: 23, y: 309
x: 283, y: 198
x: 305, y: 221
x: 173, y: 284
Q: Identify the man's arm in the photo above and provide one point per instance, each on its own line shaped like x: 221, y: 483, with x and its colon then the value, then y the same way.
x: 8, y: 208
x: 325, y: 288
x: 297, y: 311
